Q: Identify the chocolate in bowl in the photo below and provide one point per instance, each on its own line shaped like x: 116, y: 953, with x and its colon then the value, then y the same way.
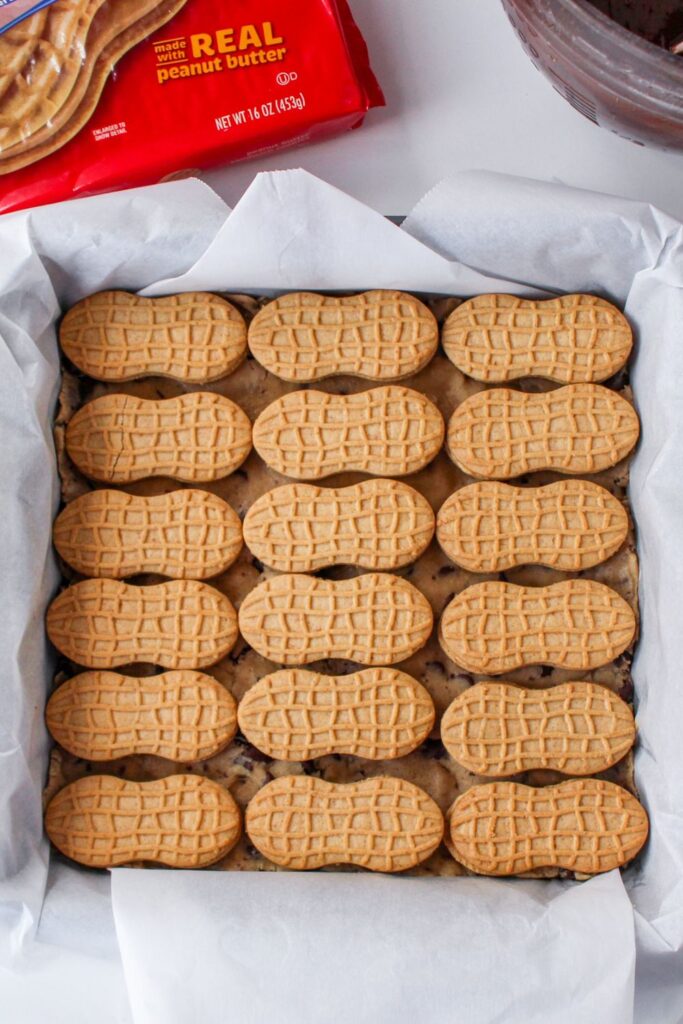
x: 659, y: 21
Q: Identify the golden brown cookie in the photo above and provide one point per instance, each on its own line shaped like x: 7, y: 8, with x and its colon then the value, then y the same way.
x: 495, y: 627
x: 581, y: 825
x: 581, y: 428
x: 195, y: 438
x: 182, y: 716
x: 187, y: 534
x: 383, y: 824
x: 576, y: 728
x: 569, y: 525
x: 295, y: 715
x: 116, y: 336
x: 105, y: 624
x: 379, y: 335
x: 184, y: 821
x: 376, y: 619
x: 570, y: 339
x: 377, y: 524
x: 390, y: 431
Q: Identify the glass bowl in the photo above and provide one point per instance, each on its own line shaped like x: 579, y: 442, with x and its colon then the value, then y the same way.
x: 611, y: 75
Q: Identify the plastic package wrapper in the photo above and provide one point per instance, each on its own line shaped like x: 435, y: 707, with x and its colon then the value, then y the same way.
x: 174, y: 946
x: 104, y: 94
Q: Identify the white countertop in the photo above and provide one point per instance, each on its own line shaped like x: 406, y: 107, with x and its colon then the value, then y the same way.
x: 462, y: 94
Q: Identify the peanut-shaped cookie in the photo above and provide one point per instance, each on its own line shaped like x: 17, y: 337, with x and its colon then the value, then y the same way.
x: 195, y: 438
x: 115, y: 336
x: 187, y: 534
x: 571, y: 339
x: 581, y: 825
x: 380, y: 335
x: 376, y: 524
x: 581, y: 428
x: 182, y: 716
x: 576, y: 728
x: 390, y: 431
x: 383, y: 824
x: 183, y: 821
x: 295, y: 715
x: 569, y: 525
x: 104, y: 624
x: 495, y: 627
x: 376, y: 619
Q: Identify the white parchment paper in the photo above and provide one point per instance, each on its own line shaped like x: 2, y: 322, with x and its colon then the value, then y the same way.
x: 167, y: 947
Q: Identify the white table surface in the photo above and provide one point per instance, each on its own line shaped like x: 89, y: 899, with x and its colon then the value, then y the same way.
x: 461, y: 94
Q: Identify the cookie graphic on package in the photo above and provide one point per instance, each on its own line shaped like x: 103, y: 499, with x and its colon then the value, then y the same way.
x: 187, y: 534
x: 182, y: 716
x: 582, y: 825
x: 577, y: 728
x: 183, y: 821
x: 569, y: 525
x: 65, y: 53
x: 384, y: 824
x: 379, y: 335
x: 376, y: 524
x: 580, y: 428
x: 571, y: 339
x: 495, y: 627
x: 116, y: 336
x: 195, y: 438
x: 105, y: 624
x: 389, y: 431
x: 295, y: 715
x: 376, y: 619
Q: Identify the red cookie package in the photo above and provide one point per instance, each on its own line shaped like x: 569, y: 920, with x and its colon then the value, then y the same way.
x: 98, y: 95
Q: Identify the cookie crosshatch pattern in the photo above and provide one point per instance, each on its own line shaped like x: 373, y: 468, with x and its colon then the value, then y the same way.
x: 374, y: 619
x: 379, y: 335
x: 189, y: 534
x: 376, y: 524
x: 194, y: 438
x: 181, y: 716
x: 193, y: 337
x: 582, y: 825
x: 495, y: 729
x: 571, y: 339
x: 105, y: 624
x: 577, y: 429
x: 383, y: 824
x: 241, y: 765
x: 496, y: 627
x: 390, y: 431
x: 182, y: 821
x: 296, y: 715
x: 568, y: 525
